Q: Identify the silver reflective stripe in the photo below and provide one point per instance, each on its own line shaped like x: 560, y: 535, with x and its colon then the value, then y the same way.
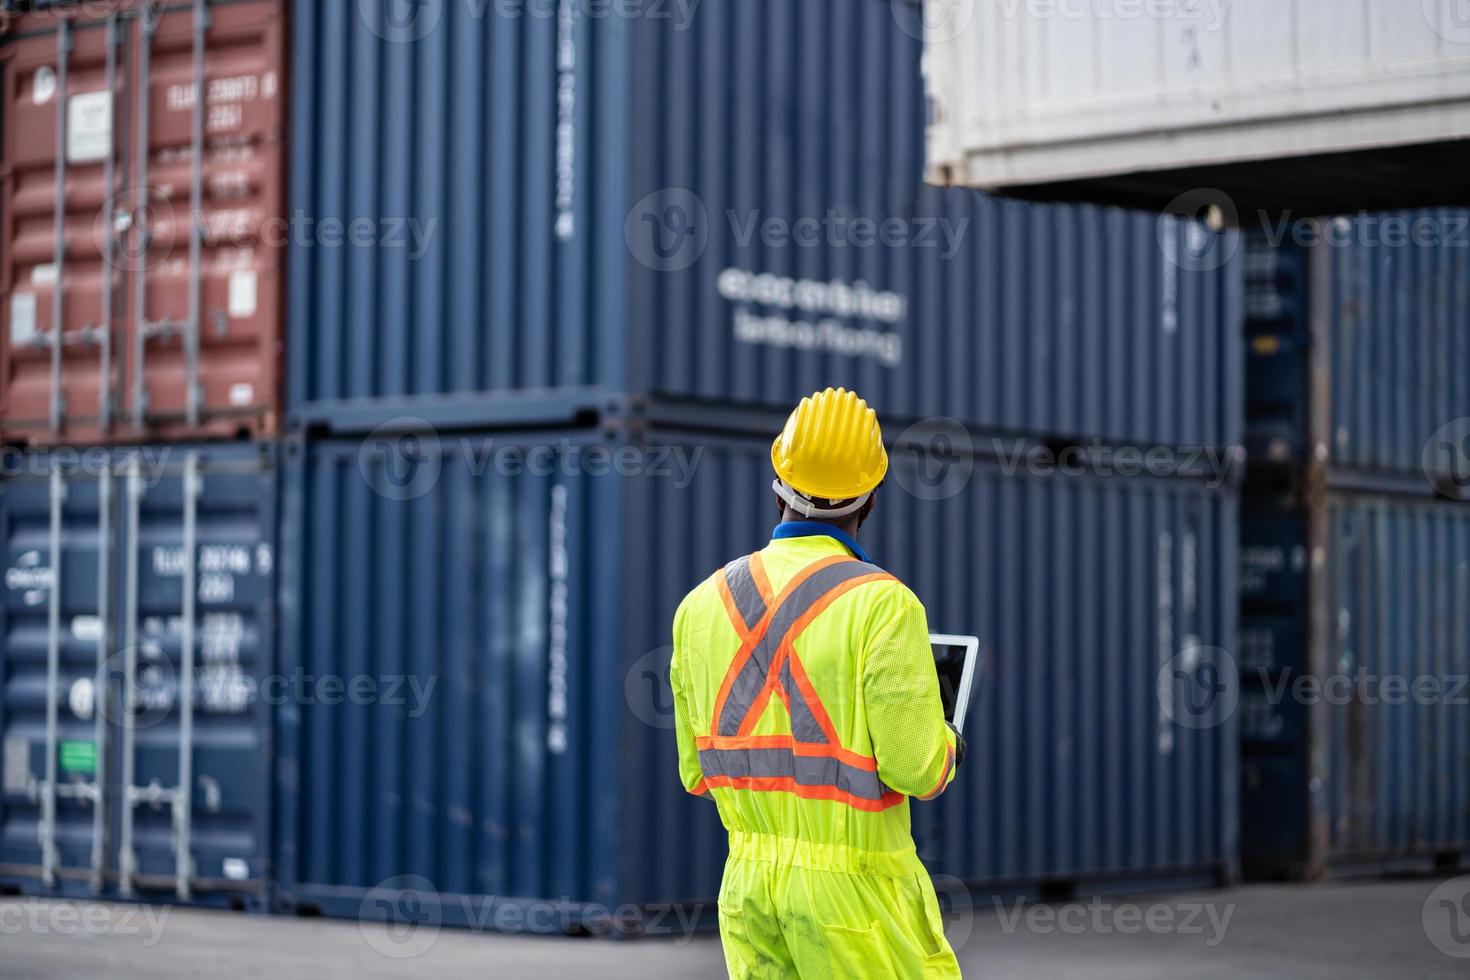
x: 804, y: 724
x: 752, y: 676
x: 747, y: 597
x: 805, y: 770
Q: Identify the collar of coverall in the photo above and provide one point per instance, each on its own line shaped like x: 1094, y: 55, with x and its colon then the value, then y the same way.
x: 807, y: 529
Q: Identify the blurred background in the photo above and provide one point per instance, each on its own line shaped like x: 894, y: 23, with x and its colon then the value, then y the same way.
x: 366, y: 416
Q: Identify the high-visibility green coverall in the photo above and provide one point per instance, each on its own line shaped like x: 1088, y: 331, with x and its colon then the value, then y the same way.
x: 808, y: 708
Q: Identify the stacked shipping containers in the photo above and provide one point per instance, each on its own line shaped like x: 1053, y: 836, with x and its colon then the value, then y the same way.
x: 1355, y: 570
x: 138, y: 614
x: 616, y: 275
x: 551, y: 286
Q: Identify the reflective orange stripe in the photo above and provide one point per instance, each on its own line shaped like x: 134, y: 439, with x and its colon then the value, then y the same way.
x: 758, y: 576
x: 948, y: 765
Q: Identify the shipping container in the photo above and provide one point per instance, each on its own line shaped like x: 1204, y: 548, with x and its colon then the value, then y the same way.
x: 1355, y: 640
x: 143, y: 233
x: 1316, y: 107
x: 1358, y: 348
x: 722, y: 207
x: 503, y: 605
x: 116, y: 563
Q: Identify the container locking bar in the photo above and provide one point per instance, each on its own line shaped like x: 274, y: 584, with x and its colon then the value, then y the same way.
x: 58, y: 289
x: 193, y: 393
x: 147, y: 25
x: 183, y: 795
x: 127, y: 860
x: 109, y: 255
x: 49, y: 860
x: 105, y: 550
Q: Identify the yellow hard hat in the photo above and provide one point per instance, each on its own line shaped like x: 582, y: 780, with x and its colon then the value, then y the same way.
x: 831, y: 447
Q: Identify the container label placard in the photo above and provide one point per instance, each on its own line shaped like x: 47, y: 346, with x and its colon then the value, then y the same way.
x: 78, y: 756
x: 88, y: 127
x: 22, y: 318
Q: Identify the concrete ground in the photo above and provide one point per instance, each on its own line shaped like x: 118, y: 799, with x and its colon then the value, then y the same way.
x: 1375, y: 930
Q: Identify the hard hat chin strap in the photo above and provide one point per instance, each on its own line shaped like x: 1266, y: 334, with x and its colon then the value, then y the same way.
x: 804, y: 506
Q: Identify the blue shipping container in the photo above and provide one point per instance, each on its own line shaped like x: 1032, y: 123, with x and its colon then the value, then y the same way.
x: 1372, y: 706
x: 117, y: 608
x: 519, y: 606
x: 726, y: 209
x: 1376, y: 317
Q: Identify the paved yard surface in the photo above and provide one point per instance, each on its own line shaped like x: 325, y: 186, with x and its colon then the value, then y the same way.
x: 1405, y: 928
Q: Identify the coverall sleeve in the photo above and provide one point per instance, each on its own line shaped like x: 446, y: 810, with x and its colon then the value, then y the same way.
x: 689, y: 772
x: 914, y: 747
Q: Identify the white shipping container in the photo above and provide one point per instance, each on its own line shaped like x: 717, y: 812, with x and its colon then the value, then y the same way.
x: 1136, y: 101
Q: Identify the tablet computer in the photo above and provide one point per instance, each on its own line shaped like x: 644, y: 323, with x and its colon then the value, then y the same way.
x: 954, y: 659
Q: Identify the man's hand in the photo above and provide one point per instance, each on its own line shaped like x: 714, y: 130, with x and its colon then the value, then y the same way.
x: 959, y: 745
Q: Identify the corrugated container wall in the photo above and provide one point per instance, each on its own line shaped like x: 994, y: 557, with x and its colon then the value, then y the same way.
x: 1355, y: 732
x: 727, y: 209
x: 157, y: 334
x: 525, y: 607
x: 112, y: 606
x: 1377, y: 317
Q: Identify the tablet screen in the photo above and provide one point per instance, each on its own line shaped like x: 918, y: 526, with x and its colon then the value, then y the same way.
x: 954, y: 661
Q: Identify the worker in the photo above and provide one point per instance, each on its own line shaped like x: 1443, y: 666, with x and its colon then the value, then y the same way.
x: 808, y: 708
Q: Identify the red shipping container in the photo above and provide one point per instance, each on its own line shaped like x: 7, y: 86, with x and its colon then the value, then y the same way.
x: 170, y: 328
